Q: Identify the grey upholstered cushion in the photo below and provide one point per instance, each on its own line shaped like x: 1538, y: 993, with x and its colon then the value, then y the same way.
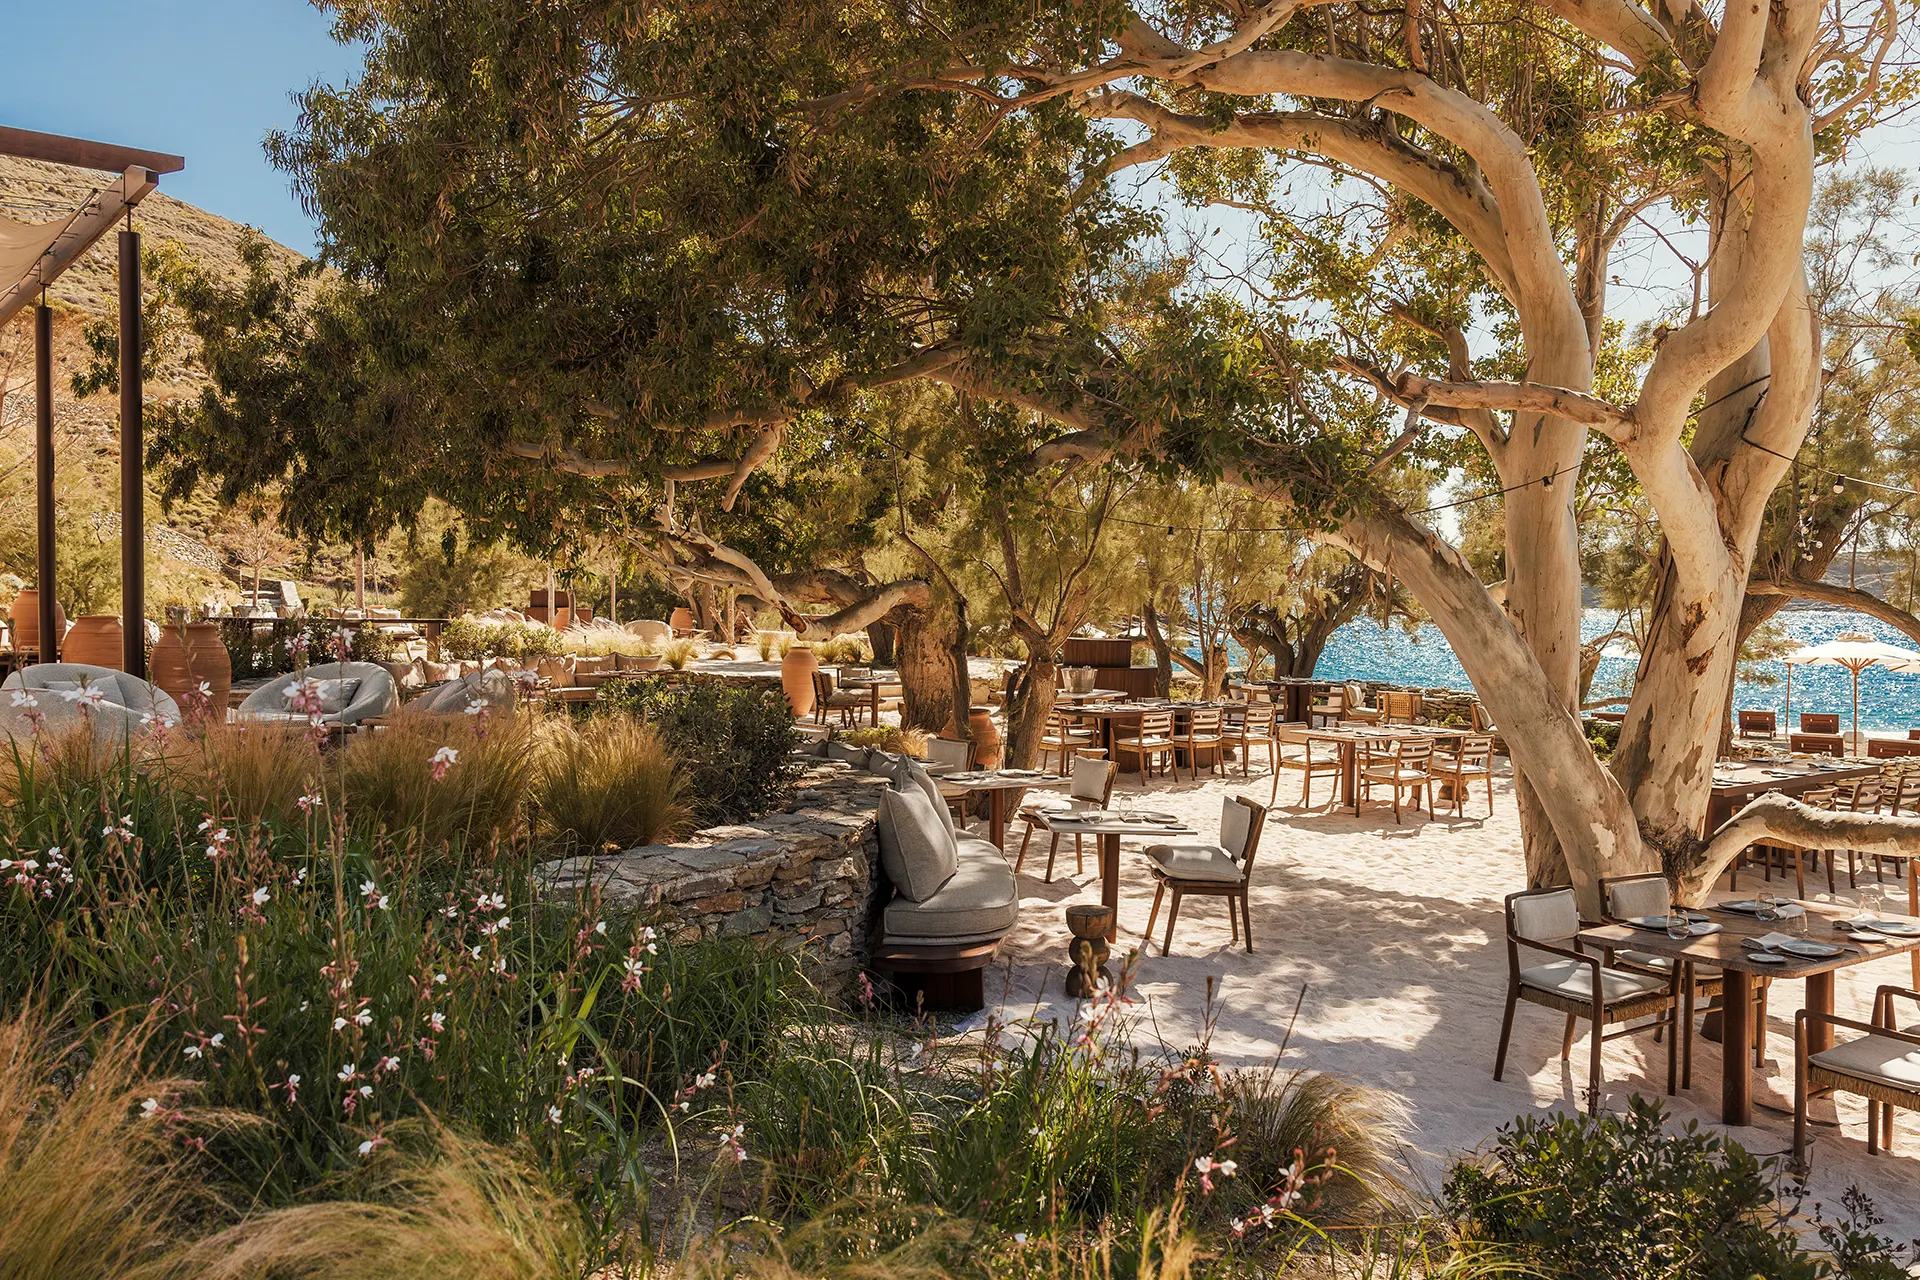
x: 1575, y: 981
x: 336, y: 695
x: 916, y: 850
x: 491, y: 689
x: 1547, y: 916
x: 919, y: 777
x: 1894, y: 1062
x: 980, y: 902
x: 1236, y: 826
x: 1645, y: 959
x: 847, y: 752
x: 1647, y: 897
x: 129, y: 704
x: 1195, y: 862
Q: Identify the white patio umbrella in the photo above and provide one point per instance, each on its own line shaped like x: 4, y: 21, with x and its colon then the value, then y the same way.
x: 1856, y: 653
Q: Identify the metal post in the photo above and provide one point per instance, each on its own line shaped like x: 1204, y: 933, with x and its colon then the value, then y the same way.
x: 43, y: 476
x: 360, y: 581
x: 133, y: 515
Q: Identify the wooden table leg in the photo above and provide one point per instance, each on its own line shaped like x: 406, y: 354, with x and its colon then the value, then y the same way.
x: 1736, y: 1047
x: 1819, y: 1000
x: 1350, y: 775
x: 997, y: 818
x: 1913, y: 909
x: 1110, y: 881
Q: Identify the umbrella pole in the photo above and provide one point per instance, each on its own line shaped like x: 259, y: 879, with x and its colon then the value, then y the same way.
x: 1856, y: 710
x: 1787, y: 715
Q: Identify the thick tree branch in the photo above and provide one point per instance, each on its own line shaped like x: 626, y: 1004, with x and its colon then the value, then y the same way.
x: 1785, y: 820
x: 1843, y: 597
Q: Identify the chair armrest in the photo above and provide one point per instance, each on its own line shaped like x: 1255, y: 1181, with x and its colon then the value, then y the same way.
x: 1853, y: 1024
x: 1886, y: 994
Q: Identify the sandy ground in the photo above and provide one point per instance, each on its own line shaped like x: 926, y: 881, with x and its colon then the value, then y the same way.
x: 1394, y: 934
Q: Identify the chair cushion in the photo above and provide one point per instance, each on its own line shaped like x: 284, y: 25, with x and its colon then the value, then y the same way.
x: 1575, y: 981
x: 1387, y: 773
x: 1236, y: 827
x: 1890, y: 1061
x: 1630, y: 898
x: 916, y: 849
x: 913, y: 774
x: 1646, y: 960
x: 980, y: 900
x: 1546, y: 916
x: 335, y: 695
x: 1195, y: 862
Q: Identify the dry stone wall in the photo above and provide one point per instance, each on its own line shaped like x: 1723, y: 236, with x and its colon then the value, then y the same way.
x: 805, y: 879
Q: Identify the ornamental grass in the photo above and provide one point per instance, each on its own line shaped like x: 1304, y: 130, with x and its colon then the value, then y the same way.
x: 439, y: 781
x: 609, y: 782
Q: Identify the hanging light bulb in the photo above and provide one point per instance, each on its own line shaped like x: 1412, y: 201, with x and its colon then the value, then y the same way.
x: 1839, y: 486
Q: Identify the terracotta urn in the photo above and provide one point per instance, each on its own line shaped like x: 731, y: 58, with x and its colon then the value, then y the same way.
x: 796, y: 678
x: 681, y: 620
x: 167, y: 662
x: 207, y: 661
x: 26, y: 622
x: 988, y: 748
x: 96, y: 640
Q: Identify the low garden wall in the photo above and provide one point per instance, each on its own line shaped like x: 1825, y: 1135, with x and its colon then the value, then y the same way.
x: 805, y: 878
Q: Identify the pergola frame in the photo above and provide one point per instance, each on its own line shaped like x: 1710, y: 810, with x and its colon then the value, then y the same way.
x: 139, y: 174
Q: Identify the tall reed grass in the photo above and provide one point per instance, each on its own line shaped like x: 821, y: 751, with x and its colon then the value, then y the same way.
x: 608, y: 782
x: 251, y: 772
x: 399, y: 780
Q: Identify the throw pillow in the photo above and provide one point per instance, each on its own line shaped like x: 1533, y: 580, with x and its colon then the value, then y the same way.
x: 336, y: 695
x: 916, y: 851
x: 437, y: 672
x: 847, y: 753
x: 919, y: 777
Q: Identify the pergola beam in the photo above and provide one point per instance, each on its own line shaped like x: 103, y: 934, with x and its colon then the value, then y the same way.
x: 84, y: 154
x: 93, y: 220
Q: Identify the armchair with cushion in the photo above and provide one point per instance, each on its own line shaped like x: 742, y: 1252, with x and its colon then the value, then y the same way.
x: 1881, y: 1065
x: 65, y: 694
x: 350, y: 692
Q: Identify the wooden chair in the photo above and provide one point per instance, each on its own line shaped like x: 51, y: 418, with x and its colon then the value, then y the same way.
x: 1152, y: 737
x: 1092, y: 788
x: 1473, y: 759
x: 1860, y: 796
x: 951, y: 752
x: 1758, y: 724
x: 847, y: 706
x: 1624, y: 898
x: 1357, y: 708
x: 1899, y: 793
x: 1306, y: 762
x: 1402, y: 707
x: 1201, y: 732
x: 1063, y: 736
x: 1769, y: 850
x: 1882, y: 1066
x: 1819, y: 723
x: 1577, y: 984
x: 1329, y: 711
x: 1251, y: 727
x: 1404, y: 767
x: 1224, y: 870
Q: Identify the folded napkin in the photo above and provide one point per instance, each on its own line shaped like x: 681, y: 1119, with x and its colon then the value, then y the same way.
x: 1775, y: 939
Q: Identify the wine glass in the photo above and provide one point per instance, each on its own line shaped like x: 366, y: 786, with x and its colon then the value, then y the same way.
x: 1766, y: 909
x: 1872, y: 904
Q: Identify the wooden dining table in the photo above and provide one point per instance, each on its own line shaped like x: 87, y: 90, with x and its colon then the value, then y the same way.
x: 879, y: 686
x: 1110, y: 826
x: 1725, y: 951
x: 997, y: 783
x: 1350, y: 740
x: 1737, y: 782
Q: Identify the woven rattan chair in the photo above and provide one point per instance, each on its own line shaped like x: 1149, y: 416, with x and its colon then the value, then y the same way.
x: 826, y: 702
x: 1472, y: 760
x: 1861, y: 796
x: 1092, y: 788
x: 1329, y: 710
x: 1577, y: 984
x: 1402, y: 706
x: 1403, y: 767
x: 1224, y: 870
x: 1151, y: 738
x: 1626, y: 897
x: 1882, y: 1066
x: 1356, y: 706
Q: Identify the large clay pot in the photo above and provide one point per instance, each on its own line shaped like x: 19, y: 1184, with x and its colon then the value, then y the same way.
x: 96, y: 640
x: 796, y: 677
x: 681, y: 620
x: 988, y: 748
x: 167, y: 662
x: 207, y: 660
x: 26, y: 623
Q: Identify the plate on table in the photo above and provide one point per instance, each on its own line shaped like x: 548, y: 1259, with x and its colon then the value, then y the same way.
x: 1812, y: 950
x: 1891, y: 928
x: 1021, y: 773
x: 1748, y: 907
x: 1765, y: 957
x: 1154, y: 817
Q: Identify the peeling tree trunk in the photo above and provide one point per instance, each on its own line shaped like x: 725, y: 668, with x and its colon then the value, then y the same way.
x: 1030, y: 698
x: 1162, y: 652
x: 924, y: 655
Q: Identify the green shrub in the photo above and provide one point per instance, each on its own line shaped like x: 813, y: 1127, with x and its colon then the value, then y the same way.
x: 609, y: 782
x: 732, y: 740
x: 470, y: 640
x: 269, y: 647
x: 1622, y: 1196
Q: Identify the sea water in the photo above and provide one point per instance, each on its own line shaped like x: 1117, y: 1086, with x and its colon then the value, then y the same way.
x: 1888, y: 699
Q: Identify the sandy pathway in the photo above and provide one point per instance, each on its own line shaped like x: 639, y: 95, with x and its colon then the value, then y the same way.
x: 1395, y: 933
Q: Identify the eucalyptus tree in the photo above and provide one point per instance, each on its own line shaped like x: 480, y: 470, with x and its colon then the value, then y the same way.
x: 598, y: 247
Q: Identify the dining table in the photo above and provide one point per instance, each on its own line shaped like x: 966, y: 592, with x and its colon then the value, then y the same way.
x: 1110, y: 825
x: 997, y: 783
x: 1736, y: 950
x: 1735, y: 782
x: 878, y: 685
x: 1350, y: 739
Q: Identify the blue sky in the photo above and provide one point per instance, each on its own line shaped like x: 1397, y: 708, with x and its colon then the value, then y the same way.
x: 204, y: 79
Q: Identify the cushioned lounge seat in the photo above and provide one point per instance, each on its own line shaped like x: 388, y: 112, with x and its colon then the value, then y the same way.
x: 126, y: 704
x: 373, y: 693
x: 1195, y: 862
x: 979, y: 902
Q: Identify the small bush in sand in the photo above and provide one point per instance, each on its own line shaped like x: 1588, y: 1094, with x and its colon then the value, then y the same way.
x: 678, y: 654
